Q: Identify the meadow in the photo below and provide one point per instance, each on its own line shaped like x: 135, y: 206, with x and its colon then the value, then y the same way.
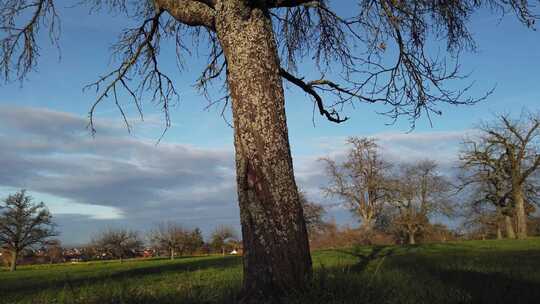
x: 457, y: 272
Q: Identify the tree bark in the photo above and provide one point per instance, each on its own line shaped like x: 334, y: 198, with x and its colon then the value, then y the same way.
x: 367, y: 225
x: 14, y: 255
x: 172, y: 254
x: 412, y: 241
x: 509, y: 227
x: 276, y: 248
x: 499, y: 232
x: 521, y: 216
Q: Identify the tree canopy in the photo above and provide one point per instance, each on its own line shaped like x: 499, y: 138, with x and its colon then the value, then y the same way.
x: 23, y: 224
x: 381, y: 50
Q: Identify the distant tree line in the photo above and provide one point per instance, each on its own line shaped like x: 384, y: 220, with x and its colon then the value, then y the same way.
x: 27, y: 234
x: 396, y: 199
x: 496, y: 189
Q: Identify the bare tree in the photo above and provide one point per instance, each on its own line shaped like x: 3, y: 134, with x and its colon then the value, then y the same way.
x: 419, y: 191
x: 23, y: 224
x: 220, y: 238
x: 513, y: 145
x: 381, y: 50
x: 482, y: 220
x: 313, y: 214
x: 483, y: 174
x: 169, y: 237
x: 194, y: 241
x: 534, y: 226
x: 519, y: 140
x: 117, y: 243
x: 175, y: 239
x: 53, y: 249
x: 359, y: 181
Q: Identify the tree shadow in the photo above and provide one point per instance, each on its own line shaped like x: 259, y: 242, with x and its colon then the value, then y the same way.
x: 490, y: 287
x: 377, y: 252
x: 482, y: 278
x: 14, y: 286
x: 414, y: 276
x: 407, y: 277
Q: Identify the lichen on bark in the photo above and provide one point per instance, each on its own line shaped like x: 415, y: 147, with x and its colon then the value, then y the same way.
x: 277, y: 257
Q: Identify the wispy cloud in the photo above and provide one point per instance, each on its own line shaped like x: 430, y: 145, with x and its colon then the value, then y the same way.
x: 52, y: 153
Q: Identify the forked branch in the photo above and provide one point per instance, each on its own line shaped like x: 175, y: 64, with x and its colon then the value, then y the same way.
x: 139, y: 49
x: 309, y: 88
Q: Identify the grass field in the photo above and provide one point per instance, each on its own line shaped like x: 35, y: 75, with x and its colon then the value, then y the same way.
x: 462, y: 272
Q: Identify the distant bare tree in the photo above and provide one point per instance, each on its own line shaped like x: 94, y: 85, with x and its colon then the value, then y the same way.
x: 359, y: 180
x: 194, y: 241
x: 23, y: 224
x: 483, y: 220
x: 118, y: 243
x: 169, y: 237
x: 175, y: 239
x: 483, y: 175
x: 534, y: 226
x: 515, y: 145
x: 220, y: 237
x: 313, y: 214
x: 53, y: 250
x: 418, y: 191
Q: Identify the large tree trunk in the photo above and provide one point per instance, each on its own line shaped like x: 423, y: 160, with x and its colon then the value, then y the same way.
x: 412, y: 241
x: 499, y: 232
x: 172, y: 254
x: 367, y: 224
x: 367, y: 230
x: 509, y: 227
x: 14, y: 256
x: 521, y: 216
x: 276, y: 248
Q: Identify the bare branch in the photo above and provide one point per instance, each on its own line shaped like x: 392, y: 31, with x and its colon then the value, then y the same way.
x: 382, y: 51
x: 139, y: 48
x: 19, y: 50
x: 290, y: 3
x: 193, y: 13
x: 331, y: 115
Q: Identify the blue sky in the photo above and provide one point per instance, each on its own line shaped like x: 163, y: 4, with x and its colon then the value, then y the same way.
x: 55, y: 148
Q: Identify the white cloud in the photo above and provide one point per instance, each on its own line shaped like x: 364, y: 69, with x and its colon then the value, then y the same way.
x: 116, y: 179
x: 111, y: 176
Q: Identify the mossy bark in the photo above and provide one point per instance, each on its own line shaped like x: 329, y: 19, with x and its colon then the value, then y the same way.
x: 14, y: 256
x: 509, y: 227
x: 521, y: 216
x: 276, y: 249
x: 412, y: 240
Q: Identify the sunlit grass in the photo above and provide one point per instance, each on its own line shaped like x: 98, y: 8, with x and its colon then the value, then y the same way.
x: 460, y: 272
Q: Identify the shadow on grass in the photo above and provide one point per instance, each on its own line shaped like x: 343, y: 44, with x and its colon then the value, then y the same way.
x: 481, y: 278
x: 61, y: 281
x: 377, y: 252
x: 489, y: 287
x: 382, y: 275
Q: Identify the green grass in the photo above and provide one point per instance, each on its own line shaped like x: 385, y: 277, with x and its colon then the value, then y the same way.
x: 461, y: 272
